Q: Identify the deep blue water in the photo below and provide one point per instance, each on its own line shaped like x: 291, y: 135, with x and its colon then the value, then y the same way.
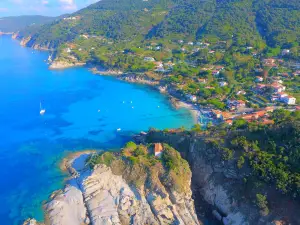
x: 32, y: 145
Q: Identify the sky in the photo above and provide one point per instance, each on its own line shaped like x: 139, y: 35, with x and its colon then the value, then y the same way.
x: 41, y: 7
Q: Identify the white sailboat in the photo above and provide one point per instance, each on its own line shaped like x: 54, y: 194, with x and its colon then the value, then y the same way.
x: 42, y: 111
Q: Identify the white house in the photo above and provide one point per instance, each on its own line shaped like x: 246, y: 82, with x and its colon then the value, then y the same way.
x: 259, y: 79
x: 290, y: 100
x: 149, y: 59
x: 215, y: 72
x: 241, y: 92
x: 285, y: 52
x: 278, y: 88
x: 193, y: 98
x: 223, y: 83
x: 282, y: 95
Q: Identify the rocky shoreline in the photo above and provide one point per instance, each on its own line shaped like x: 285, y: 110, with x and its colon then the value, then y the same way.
x: 59, y: 65
x: 71, y: 62
x: 99, y: 196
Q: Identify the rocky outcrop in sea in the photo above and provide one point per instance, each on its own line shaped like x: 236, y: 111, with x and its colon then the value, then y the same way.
x: 100, y: 196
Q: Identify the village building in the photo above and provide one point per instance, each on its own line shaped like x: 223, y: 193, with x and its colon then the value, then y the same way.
x: 285, y: 52
x: 242, y: 92
x: 266, y: 121
x: 289, y: 100
x: 223, y: 83
x: 260, y: 88
x: 259, y: 79
x: 269, y: 62
x: 219, y: 68
x: 274, y: 98
x: 235, y: 104
x: 296, y: 73
x: 222, y: 115
x: 86, y: 36
x: 282, y: 95
x: 193, y: 98
x: 259, y: 70
x: 149, y: 59
x: 72, y: 18
x: 68, y: 50
x: 229, y: 122
x: 202, y: 80
x: 169, y: 64
x: 215, y: 72
x: 277, y: 88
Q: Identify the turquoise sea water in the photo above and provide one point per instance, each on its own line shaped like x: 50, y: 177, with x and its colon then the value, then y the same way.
x: 83, y: 111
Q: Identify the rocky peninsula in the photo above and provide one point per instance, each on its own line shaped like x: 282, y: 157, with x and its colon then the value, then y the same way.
x: 131, y: 187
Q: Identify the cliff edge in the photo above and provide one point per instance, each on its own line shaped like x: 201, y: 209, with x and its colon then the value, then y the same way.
x: 131, y: 187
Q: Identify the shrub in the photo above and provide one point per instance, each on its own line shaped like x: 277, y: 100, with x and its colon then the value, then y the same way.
x: 196, y: 128
x: 131, y: 145
x: 240, y: 162
x: 262, y: 203
x: 227, y: 154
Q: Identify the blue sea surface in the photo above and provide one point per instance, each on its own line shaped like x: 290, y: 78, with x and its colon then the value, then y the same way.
x: 83, y: 111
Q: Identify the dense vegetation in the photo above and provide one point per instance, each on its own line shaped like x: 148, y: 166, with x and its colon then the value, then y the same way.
x: 273, y: 152
x: 243, y: 21
x: 139, y: 167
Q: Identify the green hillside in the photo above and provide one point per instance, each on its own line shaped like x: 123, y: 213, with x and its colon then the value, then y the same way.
x: 14, y: 24
x: 240, y: 20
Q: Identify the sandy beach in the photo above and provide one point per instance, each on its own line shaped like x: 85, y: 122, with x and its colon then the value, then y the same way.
x: 180, y: 104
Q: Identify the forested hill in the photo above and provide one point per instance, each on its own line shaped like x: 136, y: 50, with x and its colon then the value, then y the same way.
x: 241, y: 21
x: 16, y: 23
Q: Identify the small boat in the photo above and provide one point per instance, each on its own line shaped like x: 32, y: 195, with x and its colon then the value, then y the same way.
x: 99, y: 110
x: 119, y: 129
x: 42, y: 111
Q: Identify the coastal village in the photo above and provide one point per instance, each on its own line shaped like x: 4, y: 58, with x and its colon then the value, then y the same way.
x: 235, y: 65
x: 191, y: 72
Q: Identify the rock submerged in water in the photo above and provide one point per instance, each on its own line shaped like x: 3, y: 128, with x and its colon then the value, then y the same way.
x: 106, y: 195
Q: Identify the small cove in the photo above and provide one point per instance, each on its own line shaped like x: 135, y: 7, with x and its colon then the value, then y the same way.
x: 83, y: 111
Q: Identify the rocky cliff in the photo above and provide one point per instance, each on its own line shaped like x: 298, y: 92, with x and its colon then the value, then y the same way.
x: 29, y: 41
x: 220, y: 188
x: 110, y: 194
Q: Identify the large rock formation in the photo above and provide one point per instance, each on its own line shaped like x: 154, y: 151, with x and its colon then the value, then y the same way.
x: 104, y: 195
